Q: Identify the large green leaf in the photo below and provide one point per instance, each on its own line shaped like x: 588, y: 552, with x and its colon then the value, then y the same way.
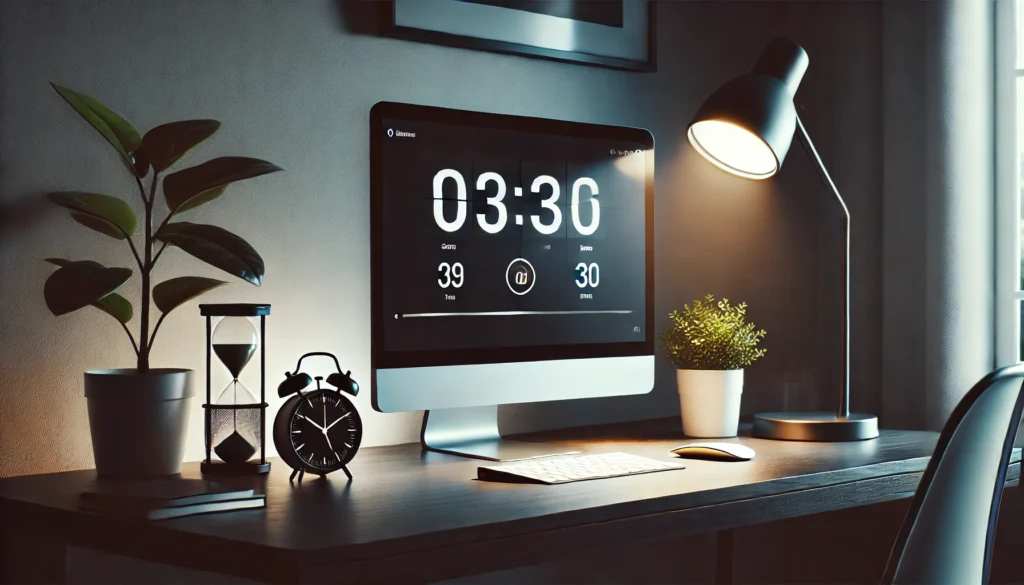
x: 166, y: 143
x: 197, y: 182
x: 113, y: 304
x: 114, y: 128
x: 168, y: 295
x: 110, y: 210
x: 78, y: 284
x: 101, y: 225
x: 116, y: 306
x: 204, y: 197
x: 217, y: 247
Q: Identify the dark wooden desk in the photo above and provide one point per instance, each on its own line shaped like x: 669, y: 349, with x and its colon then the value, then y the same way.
x: 419, y: 517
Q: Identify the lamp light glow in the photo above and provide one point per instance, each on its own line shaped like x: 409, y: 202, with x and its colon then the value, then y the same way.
x: 746, y: 128
x: 733, y: 149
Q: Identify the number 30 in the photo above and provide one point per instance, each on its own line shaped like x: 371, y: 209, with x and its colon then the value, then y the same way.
x: 588, y: 275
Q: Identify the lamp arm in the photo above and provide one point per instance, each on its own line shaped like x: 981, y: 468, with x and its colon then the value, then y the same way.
x: 805, y: 141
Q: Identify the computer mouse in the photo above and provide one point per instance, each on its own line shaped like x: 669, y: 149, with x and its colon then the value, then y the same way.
x: 715, y: 451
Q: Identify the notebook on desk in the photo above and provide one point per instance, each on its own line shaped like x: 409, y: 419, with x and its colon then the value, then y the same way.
x: 162, y: 499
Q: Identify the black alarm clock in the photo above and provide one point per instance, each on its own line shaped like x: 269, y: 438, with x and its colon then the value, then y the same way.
x: 317, y: 430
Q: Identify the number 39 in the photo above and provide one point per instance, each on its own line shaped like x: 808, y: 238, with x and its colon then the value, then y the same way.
x: 450, y: 275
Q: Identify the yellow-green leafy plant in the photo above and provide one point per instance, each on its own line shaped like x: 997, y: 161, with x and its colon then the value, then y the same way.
x: 712, y: 335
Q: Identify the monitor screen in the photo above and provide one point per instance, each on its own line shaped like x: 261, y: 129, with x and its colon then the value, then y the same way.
x: 501, y: 238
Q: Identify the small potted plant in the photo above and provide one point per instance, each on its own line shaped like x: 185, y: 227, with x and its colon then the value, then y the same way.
x: 138, y: 418
x: 710, y: 344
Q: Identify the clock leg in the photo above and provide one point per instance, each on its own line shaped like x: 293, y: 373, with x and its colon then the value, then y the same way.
x: 302, y: 472
x: 292, y: 476
x: 345, y: 469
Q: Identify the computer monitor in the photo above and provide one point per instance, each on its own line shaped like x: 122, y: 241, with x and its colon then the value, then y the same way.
x: 512, y: 261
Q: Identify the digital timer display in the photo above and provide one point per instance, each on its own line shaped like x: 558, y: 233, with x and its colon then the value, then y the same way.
x: 507, y: 238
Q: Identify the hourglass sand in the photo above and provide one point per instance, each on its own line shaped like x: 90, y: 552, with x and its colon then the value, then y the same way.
x: 235, y: 340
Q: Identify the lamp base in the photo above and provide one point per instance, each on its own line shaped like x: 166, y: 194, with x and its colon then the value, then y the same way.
x: 815, y: 426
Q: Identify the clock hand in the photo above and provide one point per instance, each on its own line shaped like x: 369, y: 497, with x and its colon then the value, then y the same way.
x: 328, y: 441
x: 337, y: 421
x: 312, y: 423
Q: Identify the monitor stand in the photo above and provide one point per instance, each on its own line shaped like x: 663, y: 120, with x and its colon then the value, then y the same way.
x: 473, y: 432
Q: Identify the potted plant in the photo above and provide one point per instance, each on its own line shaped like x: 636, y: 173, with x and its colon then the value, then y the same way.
x: 138, y: 418
x: 710, y: 344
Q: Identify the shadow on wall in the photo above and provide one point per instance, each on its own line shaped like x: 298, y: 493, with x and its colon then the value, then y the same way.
x: 361, y: 17
x: 20, y: 215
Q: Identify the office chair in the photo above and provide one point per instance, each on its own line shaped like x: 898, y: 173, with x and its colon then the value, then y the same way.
x: 948, y: 534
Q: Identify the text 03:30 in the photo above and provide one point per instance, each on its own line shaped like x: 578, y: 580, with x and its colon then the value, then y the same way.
x: 545, y: 182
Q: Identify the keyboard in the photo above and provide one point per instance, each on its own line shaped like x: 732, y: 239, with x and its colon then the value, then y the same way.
x: 565, y: 469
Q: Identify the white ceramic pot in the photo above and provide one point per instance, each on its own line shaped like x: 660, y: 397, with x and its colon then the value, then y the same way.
x: 709, y: 401
x: 138, y: 422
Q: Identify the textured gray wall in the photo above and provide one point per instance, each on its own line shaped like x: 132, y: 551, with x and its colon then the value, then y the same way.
x: 293, y: 83
x: 904, y: 264
x: 938, y: 236
x: 960, y: 214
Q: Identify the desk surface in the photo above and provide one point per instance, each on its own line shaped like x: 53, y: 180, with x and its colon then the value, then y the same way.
x: 405, y: 508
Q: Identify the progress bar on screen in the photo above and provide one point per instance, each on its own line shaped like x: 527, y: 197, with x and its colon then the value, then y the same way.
x: 506, y: 314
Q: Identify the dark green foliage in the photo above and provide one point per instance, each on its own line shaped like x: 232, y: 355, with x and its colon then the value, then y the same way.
x: 77, y: 284
x: 112, y: 216
x: 194, y: 186
x: 217, y: 247
x: 170, y: 293
x: 164, y: 145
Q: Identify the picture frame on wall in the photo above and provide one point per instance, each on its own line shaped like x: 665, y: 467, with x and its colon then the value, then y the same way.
x: 608, y: 33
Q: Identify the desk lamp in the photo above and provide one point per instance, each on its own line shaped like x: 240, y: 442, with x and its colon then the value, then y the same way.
x: 745, y: 128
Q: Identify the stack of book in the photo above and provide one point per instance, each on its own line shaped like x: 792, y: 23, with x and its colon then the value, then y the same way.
x: 162, y: 499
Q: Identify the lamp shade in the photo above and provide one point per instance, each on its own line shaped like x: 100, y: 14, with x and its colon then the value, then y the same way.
x: 747, y: 125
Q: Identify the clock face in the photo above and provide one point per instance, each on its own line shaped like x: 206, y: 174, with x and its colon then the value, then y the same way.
x: 325, y: 431
x: 497, y: 238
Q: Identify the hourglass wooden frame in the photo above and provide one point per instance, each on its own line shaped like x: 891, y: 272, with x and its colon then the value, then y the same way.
x: 253, y: 466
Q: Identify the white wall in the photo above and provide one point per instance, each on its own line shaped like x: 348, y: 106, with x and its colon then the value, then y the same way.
x: 293, y: 82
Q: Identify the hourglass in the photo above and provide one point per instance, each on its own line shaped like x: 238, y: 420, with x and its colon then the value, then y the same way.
x: 236, y: 419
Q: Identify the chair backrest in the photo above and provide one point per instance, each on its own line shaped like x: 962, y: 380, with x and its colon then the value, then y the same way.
x: 948, y: 533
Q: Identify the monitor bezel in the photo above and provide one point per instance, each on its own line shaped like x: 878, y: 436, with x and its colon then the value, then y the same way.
x: 407, y: 359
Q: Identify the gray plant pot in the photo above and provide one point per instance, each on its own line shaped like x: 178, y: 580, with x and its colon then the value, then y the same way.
x: 138, y: 422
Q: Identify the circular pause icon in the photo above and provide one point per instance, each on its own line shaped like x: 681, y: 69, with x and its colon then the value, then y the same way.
x: 520, y: 276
